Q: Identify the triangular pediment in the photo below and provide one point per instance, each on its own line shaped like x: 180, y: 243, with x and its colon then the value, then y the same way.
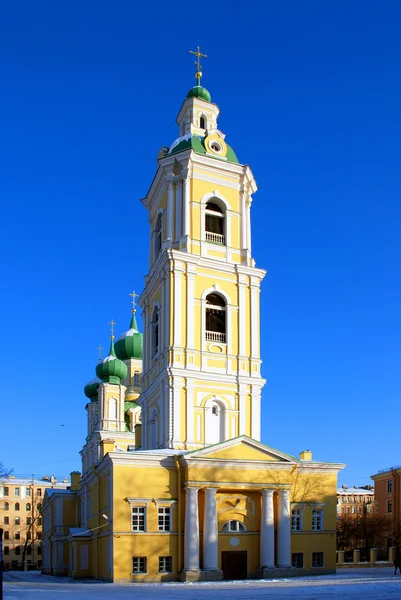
x: 241, y: 448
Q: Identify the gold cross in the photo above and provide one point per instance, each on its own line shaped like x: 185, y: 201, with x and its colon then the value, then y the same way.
x: 112, y: 323
x: 199, y: 54
x: 133, y: 301
x: 99, y: 350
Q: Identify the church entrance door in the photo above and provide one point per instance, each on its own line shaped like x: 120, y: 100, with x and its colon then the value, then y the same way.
x: 234, y: 564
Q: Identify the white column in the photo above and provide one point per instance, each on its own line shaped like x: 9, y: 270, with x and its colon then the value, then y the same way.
x: 243, y: 218
x: 170, y: 209
x: 190, y: 307
x: 191, y: 533
x: 186, y: 207
x: 210, y: 531
x: 284, y: 529
x: 178, y: 209
x: 267, y: 530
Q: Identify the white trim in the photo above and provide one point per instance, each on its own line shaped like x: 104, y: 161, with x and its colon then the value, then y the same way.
x: 241, y: 317
x: 177, y: 305
x: 178, y: 209
x: 186, y: 208
x: 170, y: 209
x: 190, y: 387
x: 190, y: 306
x: 255, y: 412
x: 242, y: 409
x: 255, y: 324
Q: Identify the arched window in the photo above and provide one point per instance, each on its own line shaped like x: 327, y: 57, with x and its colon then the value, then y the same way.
x: 6, y: 506
x: 215, y: 318
x: 202, y: 122
x: 28, y: 506
x: 155, y: 331
x: 215, y: 223
x: 137, y: 378
x: 16, y: 506
x: 158, y: 235
x: 232, y: 526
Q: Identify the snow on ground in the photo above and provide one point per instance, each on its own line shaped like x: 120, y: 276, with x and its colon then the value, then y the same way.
x: 355, y: 584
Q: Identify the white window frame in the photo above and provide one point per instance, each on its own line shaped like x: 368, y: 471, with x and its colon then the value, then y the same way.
x: 317, y: 519
x: 298, y: 506
x: 316, y: 557
x: 164, y: 518
x: 233, y: 526
x: 138, y: 511
x: 296, y: 519
x: 165, y: 564
x: 141, y: 562
x: 293, y: 559
x: 17, y: 492
x: 389, y: 486
x: 28, y: 492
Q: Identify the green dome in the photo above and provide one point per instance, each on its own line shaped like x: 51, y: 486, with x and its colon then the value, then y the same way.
x: 129, y: 345
x: 91, y: 388
x: 111, y: 369
x: 199, y: 92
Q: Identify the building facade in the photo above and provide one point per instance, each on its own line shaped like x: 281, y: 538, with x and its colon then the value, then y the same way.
x: 388, y: 501
x: 176, y: 484
x: 20, y: 505
x: 355, y: 501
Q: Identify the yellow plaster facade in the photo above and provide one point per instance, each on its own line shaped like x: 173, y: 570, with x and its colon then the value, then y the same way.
x: 175, y: 481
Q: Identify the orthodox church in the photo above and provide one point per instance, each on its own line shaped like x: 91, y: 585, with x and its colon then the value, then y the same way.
x: 175, y: 483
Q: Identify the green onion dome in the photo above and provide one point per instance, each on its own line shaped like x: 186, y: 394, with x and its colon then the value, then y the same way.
x: 199, y: 91
x: 111, y: 369
x: 129, y: 345
x: 91, y: 389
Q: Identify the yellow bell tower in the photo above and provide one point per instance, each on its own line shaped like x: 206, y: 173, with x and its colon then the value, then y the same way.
x: 201, y: 364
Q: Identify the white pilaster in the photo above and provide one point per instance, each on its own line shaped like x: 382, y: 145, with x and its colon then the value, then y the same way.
x: 178, y: 209
x: 255, y: 321
x: 248, y: 225
x: 186, y: 207
x: 170, y: 209
x: 176, y: 416
x: 190, y: 386
x: 242, y: 410
x: 284, y: 529
x: 243, y: 221
x: 191, y: 532
x: 267, y: 530
x: 177, y: 307
x: 241, y: 318
x: 210, y: 531
x: 255, y: 412
x: 190, y: 306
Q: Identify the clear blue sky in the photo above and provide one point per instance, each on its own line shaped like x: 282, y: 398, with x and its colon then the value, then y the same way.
x: 310, y: 98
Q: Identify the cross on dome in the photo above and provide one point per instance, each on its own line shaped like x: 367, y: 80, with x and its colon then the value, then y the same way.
x: 199, y: 55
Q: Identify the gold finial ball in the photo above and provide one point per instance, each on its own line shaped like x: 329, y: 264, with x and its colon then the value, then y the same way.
x: 198, y: 74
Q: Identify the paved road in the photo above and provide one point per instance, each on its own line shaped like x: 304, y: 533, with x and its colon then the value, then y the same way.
x: 355, y: 584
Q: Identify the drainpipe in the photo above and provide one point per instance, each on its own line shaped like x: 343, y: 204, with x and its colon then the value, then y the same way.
x: 177, y: 466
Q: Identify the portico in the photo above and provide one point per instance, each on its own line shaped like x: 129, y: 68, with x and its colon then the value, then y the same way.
x: 270, y: 521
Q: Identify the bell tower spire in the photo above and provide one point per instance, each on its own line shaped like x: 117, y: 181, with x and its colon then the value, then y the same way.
x: 201, y: 379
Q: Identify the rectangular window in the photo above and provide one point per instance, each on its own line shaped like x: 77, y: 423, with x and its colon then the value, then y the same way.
x: 348, y: 510
x: 138, y: 518
x: 38, y: 535
x: 164, y: 518
x: 39, y: 492
x: 17, y: 535
x: 390, y: 486
x: 39, y: 551
x: 6, y: 535
x: 317, y: 520
x: 298, y: 560
x: 6, y: 520
x: 6, y: 491
x: 317, y: 559
x: 16, y: 491
x: 6, y: 550
x: 139, y: 564
x: 165, y: 564
x: 29, y: 551
x: 389, y: 506
x: 28, y: 535
x: 17, y: 520
x: 17, y: 550
x: 28, y: 492
x: 296, y: 519
x: 28, y: 521
x: 353, y: 510
x: 359, y: 498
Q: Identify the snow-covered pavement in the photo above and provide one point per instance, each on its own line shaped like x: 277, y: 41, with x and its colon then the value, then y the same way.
x: 355, y: 584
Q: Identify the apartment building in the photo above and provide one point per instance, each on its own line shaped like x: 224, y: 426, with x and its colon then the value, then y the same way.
x: 388, y: 501
x: 355, y: 501
x: 21, y: 520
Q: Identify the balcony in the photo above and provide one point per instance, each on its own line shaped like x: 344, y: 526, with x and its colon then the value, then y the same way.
x: 216, y: 238
x: 215, y: 336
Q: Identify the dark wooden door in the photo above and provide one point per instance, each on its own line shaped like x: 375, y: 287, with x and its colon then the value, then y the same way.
x: 234, y: 564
